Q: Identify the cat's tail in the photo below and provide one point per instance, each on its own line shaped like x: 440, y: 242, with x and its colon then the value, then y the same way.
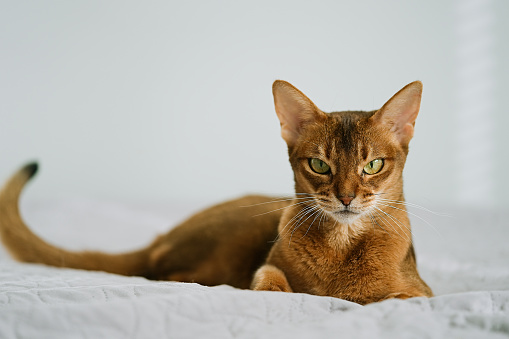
x: 24, y: 245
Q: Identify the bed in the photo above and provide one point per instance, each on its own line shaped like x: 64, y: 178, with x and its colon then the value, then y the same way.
x: 463, y: 257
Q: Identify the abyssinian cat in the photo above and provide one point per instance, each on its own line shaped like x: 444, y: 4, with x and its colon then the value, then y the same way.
x: 344, y: 234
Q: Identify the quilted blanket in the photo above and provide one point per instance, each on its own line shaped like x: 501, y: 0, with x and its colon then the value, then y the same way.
x: 464, y: 258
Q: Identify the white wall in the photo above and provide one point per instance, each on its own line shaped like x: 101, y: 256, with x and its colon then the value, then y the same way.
x: 159, y: 101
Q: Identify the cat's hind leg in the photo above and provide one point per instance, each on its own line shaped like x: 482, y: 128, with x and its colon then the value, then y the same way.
x: 270, y: 278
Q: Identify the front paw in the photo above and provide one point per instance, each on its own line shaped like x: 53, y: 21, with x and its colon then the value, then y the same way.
x: 402, y: 295
x: 270, y: 278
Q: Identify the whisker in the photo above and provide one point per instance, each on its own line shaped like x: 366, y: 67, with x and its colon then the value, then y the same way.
x: 387, y: 192
x: 282, y: 208
x: 386, y: 222
x: 295, y: 217
x: 274, y: 201
x: 398, y: 223
x: 308, y: 210
x: 406, y: 226
x: 300, y: 214
x: 311, y: 212
x: 321, y: 217
x: 373, y: 222
x: 318, y: 212
x: 415, y: 215
x: 416, y: 206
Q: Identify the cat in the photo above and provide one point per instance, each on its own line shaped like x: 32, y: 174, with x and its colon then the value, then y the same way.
x: 344, y: 234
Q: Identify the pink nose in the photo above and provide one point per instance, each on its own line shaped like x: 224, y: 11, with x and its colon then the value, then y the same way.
x: 346, y: 200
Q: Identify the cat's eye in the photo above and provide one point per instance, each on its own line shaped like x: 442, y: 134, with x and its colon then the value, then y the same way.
x: 319, y: 166
x: 374, y: 166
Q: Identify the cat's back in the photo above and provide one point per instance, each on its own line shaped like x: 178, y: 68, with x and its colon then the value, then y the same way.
x: 223, y: 244
x: 250, y: 211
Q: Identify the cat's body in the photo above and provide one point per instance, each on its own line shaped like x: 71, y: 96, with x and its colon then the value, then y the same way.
x: 345, y: 234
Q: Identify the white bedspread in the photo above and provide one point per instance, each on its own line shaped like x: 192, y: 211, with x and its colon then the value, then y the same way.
x: 465, y: 261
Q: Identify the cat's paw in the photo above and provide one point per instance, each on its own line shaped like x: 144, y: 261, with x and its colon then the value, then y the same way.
x: 270, y: 278
x: 402, y: 295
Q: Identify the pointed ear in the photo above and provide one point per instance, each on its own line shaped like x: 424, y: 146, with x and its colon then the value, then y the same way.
x: 400, y: 112
x: 294, y: 110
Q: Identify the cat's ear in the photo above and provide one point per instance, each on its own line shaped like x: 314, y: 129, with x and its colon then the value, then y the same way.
x: 294, y: 110
x: 400, y: 112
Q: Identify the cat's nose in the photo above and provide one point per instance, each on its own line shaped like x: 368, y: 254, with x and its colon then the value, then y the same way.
x: 346, y: 200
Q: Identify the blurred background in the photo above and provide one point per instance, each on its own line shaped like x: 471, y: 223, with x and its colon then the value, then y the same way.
x: 166, y: 101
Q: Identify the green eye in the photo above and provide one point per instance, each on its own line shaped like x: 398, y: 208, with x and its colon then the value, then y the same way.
x: 374, y: 166
x: 318, y: 166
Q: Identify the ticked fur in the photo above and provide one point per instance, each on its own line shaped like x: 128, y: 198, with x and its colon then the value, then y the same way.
x: 360, y: 249
x: 341, y: 235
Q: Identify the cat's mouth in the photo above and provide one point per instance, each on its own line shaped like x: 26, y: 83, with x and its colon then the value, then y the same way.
x: 346, y: 215
x: 343, y: 214
x: 346, y: 212
x: 340, y: 211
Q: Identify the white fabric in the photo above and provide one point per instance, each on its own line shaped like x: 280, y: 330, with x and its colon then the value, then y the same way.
x: 465, y: 261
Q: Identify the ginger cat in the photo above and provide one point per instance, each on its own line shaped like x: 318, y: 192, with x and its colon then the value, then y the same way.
x: 345, y: 234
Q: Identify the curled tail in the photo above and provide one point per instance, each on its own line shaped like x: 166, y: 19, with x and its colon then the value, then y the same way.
x: 24, y: 245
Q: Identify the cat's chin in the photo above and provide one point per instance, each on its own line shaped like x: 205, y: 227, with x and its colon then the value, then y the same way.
x: 345, y: 216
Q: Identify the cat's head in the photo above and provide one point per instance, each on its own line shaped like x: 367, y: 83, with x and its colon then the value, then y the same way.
x: 347, y: 160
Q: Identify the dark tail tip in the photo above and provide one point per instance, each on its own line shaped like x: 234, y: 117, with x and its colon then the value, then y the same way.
x: 30, y: 169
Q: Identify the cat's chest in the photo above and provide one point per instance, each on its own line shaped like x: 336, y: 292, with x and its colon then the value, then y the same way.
x: 323, y: 268
x: 318, y: 255
x: 332, y: 249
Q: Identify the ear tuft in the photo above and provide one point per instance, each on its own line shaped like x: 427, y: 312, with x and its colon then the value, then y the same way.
x: 400, y: 112
x: 294, y: 110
